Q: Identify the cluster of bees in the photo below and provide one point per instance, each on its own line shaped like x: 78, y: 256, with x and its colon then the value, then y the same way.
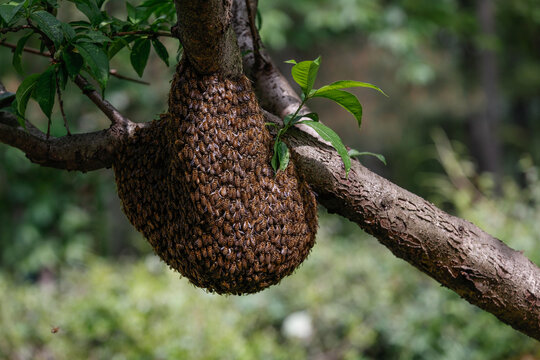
x: 199, y: 185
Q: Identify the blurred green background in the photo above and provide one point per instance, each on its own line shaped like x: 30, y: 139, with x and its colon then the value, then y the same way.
x: 461, y: 128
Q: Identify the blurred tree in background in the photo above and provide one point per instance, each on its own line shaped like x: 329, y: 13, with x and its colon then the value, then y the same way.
x: 448, y: 66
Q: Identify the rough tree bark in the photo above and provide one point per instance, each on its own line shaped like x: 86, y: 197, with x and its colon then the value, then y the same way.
x: 456, y: 253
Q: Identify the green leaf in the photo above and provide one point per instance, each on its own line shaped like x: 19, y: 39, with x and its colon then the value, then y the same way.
x: 9, y: 10
x: 17, y: 54
x: 270, y: 124
x: 90, y: 9
x: 69, y: 32
x: 139, y: 55
x: 312, y: 116
x: 97, y: 61
x: 329, y: 135
x: 354, y: 153
x: 135, y: 14
x: 92, y: 36
x: 45, y: 89
x: 346, y: 100
x: 292, y: 61
x: 290, y: 120
x: 287, y: 119
x: 284, y: 155
x: 344, y: 84
x: 114, y: 47
x: 305, y: 73
x: 80, y: 24
x: 275, y: 156
x: 49, y: 25
x: 62, y: 76
x: 161, y: 50
x: 73, y: 62
x: 23, y: 95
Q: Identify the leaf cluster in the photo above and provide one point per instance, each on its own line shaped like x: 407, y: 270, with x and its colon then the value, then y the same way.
x: 81, y: 47
x: 304, y: 74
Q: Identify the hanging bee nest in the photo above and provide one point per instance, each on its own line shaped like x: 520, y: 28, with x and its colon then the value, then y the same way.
x: 199, y: 185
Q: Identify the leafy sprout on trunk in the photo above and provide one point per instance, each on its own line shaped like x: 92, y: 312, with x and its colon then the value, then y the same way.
x: 304, y: 74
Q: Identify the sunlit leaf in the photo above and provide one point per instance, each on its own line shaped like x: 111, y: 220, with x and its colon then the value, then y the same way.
x: 354, y: 153
x: 305, y: 73
x: 344, y: 84
x: 346, y: 100
x: 329, y: 135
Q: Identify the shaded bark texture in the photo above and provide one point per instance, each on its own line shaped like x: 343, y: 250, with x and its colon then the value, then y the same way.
x: 456, y: 253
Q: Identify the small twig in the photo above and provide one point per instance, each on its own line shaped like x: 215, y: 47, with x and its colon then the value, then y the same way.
x: 143, y: 32
x: 14, y: 29
x: 61, y: 104
x: 26, y: 49
x: 115, y: 73
x: 106, y: 107
x: 254, y: 34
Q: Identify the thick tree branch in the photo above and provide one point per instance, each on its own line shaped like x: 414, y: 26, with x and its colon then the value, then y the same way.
x: 83, y: 152
x: 456, y: 253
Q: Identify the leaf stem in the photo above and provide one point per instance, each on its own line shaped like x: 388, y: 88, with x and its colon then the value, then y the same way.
x: 14, y: 29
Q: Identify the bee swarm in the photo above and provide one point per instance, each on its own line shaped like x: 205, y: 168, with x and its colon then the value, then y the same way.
x: 198, y: 184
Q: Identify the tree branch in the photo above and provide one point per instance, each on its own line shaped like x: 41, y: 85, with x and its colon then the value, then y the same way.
x: 106, y: 107
x: 144, y: 32
x: 82, y: 152
x: 454, y: 252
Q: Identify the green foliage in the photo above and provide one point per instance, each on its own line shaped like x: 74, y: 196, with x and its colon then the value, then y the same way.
x: 139, y: 55
x: 45, y: 90
x: 49, y: 25
x: 23, y: 94
x: 96, y: 60
x: 304, y: 74
x: 161, y: 51
x: 42, y: 225
x: 355, y: 153
x: 78, y: 46
x: 357, y: 302
x: 9, y: 10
